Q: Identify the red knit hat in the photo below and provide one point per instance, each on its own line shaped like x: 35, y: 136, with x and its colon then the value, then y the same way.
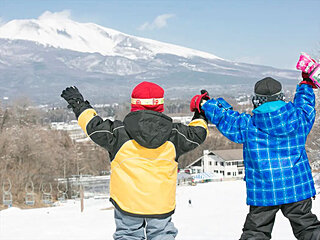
x: 147, y: 96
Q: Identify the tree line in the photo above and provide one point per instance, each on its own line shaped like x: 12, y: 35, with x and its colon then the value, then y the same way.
x: 31, y: 151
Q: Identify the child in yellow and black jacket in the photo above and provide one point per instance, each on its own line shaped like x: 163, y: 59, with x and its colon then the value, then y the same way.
x: 143, y: 149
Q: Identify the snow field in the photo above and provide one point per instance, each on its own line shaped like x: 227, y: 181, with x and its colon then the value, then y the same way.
x: 217, y: 212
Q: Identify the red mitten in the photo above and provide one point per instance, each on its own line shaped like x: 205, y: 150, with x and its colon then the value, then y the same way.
x: 198, y: 100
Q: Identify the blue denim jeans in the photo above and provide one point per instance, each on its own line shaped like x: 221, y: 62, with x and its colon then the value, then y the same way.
x: 138, y: 228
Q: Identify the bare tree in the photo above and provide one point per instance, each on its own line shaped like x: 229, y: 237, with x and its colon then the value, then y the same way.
x: 29, y: 150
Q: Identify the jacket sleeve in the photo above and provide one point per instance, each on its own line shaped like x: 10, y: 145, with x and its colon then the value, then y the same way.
x: 304, y: 100
x: 231, y: 124
x: 187, y: 138
x: 103, y: 133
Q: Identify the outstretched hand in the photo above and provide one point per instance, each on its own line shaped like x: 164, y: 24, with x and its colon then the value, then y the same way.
x: 72, y: 96
x: 309, y: 66
x: 306, y: 63
x: 198, y: 100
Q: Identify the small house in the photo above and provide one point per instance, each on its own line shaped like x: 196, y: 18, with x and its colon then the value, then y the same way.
x: 226, y: 163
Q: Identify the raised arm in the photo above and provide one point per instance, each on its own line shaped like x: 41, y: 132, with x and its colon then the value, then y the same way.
x: 187, y: 138
x: 304, y: 100
x: 231, y: 124
x: 101, y: 132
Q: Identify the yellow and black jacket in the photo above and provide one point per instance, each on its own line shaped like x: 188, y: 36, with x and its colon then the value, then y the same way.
x: 143, y: 150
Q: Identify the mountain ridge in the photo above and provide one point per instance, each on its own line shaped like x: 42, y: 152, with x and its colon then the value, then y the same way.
x: 58, y: 30
x: 41, y: 71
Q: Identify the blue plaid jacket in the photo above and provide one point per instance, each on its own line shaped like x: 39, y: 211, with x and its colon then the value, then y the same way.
x: 276, y: 163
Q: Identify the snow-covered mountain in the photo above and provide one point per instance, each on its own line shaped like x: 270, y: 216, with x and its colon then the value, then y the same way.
x: 40, y: 57
x: 58, y: 30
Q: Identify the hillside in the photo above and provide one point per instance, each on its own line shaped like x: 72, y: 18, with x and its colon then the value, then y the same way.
x: 40, y: 57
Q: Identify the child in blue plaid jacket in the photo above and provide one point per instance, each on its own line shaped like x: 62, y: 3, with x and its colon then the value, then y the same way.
x: 277, y: 170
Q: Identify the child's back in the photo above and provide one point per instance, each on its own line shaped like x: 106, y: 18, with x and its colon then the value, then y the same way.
x: 143, y: 149
x: 277, y: 170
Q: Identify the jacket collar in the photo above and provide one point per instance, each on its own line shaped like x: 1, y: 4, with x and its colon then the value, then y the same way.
x: 269, y: 107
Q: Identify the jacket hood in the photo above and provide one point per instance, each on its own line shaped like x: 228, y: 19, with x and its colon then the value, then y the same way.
x: 148, y: 128
x: 280, y: 122
x: 269, y: 107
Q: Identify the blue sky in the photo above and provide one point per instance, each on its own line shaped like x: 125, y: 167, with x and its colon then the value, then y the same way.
x: 272, y: 32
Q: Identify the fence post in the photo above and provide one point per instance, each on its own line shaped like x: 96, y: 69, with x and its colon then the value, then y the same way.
x: 82, y: 197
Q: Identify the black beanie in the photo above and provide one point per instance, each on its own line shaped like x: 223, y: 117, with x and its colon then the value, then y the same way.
x: 267, y: 86
x: 267, y: 90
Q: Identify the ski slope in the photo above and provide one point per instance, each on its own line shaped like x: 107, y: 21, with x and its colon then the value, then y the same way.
x: 218, y: 212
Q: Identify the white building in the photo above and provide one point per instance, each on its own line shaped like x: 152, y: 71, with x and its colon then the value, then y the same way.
x: 74, y: 130
x: 227, y: 163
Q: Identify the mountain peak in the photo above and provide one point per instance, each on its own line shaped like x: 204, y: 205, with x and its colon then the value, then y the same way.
x: 60, y: 31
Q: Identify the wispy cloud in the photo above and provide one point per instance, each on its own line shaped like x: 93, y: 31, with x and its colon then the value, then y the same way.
x: 65, y: 14
x: 159, y: 22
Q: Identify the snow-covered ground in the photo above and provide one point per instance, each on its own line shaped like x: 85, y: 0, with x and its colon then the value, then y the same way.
x: 218, y: 212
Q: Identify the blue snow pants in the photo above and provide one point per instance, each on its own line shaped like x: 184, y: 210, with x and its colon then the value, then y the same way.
x: 137, y: 228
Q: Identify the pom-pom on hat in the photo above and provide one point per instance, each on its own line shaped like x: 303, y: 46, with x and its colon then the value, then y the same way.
x: 147, y: 96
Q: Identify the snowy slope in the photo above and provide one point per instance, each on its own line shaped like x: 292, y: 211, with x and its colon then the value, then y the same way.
x: 218, y: 212
x: 58, y: 30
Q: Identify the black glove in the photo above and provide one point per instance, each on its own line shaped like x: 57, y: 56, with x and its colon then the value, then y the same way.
x: 72, y: 96
x: 206, y: 97
x: 307, y: 80
x: 75, y: 100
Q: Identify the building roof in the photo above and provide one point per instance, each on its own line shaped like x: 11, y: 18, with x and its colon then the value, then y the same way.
x: 226, y: 155
x: 229, y: 154
x: 194, y: 162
